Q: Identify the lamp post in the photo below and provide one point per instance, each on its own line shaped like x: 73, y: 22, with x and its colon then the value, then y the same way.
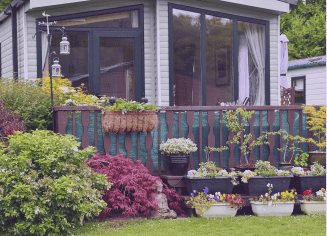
x: 54, y: 69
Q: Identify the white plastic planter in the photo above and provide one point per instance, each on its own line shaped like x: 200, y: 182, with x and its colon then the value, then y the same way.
x: 218, y: 210
x: 313, y: 207
x: 275, y: 209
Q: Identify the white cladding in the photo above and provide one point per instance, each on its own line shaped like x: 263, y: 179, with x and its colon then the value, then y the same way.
x: 27, y: 27
x: 315, y: 83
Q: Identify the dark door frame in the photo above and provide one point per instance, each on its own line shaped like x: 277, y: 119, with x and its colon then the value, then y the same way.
x: 95, y: 81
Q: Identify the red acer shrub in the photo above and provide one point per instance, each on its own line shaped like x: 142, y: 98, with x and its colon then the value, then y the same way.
x: 9, y: 122
x: 131, y: 192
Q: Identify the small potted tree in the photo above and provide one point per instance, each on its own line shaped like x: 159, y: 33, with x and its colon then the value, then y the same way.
x: 316, y: 119
x: 177, y: 154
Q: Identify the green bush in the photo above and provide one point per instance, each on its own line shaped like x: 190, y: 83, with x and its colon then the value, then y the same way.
x: 46, y: 187
x: 29, y: 101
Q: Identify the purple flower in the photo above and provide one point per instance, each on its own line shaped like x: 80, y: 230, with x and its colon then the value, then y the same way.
x: 206, y: 190
x: 192, y: 194
x: 217, y: 199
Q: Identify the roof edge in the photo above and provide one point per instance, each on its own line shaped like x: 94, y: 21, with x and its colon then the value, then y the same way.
x: 14, y: 4
x: 321, y: 63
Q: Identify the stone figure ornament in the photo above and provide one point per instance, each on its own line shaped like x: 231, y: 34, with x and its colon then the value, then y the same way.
x: 160, y: 199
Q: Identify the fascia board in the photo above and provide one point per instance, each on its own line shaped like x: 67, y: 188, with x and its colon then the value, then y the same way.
x: 46, y: 3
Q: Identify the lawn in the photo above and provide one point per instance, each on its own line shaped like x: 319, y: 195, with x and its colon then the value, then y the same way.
x: 241, y: 225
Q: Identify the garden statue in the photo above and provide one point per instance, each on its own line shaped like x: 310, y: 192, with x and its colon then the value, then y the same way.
x: 160, y: 199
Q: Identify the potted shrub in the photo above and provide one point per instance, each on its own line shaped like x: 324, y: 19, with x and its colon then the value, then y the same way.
x: 314, y: 203
x: 316, y: 119
x: 301, y: 160
x: 208, y: 175
x: 255, y: 182
x: 177, y: 154
x: 218, y: 205
x: 233, y: 124
x: 129, y: 116
x: 279, y: 204
x: 315, y: 178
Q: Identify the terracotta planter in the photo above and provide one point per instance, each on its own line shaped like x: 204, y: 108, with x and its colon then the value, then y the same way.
x: 116, y: 122
x: 313, y: 207
x: 275, y: 209
x: 319, y: 157
x: 218, y: 210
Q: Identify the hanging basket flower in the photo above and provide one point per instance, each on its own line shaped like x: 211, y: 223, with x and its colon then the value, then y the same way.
x: 117, y: 122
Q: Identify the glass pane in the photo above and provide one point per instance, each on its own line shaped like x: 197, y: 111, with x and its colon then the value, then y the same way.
x: 251, y: 62
x: 117, y: 67
x: 187, y: 66
x: 298, y: 84
x: 219, y: 80
x: 127, y: 19
x: 74, y: 66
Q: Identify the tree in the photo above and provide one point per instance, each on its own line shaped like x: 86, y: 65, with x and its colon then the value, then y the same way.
x: 305, y: 27
x: 4, y: 4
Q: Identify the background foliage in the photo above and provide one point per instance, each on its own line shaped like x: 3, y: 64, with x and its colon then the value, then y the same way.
x: 4, y: 4
x: 305, y: 27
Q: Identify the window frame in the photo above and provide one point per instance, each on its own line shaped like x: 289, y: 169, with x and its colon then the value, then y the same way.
x: 235, y: 19
x: 91, y: 32
x: 0, y: 62
x: 304, y: 86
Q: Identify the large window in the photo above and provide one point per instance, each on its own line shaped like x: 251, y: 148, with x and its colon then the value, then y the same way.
x: 106, y: 51
x: 217, y: 57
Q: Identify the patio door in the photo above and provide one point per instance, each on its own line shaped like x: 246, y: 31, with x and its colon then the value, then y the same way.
x: 117, y: 64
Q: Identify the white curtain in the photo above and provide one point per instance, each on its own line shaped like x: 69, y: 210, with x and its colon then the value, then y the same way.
x: 44, y: 42
x: 243, y: 69
x: 255, y: 35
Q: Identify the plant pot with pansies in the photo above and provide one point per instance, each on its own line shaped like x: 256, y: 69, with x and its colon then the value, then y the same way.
x: 313, y: 203
x: 176, y: 152
x: 315, y: 178
x: 129, y: 116
x: 215, y: 205
x: 208, y: 175
x: 278, y: 204
x: 255, y: 182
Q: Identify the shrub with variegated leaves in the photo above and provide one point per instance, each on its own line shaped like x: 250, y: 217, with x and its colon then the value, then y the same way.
x: 46, y: 188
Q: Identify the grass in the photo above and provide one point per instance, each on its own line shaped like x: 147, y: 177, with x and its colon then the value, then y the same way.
x: 241, y: 225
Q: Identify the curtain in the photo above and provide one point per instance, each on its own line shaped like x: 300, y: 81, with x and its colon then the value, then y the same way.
x: 44, y: 43
x: 255, y: 35
x: 243, y: 69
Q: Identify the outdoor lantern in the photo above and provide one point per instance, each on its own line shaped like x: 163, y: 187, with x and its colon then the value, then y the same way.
x: 56, y: 68
x: 64, y: 46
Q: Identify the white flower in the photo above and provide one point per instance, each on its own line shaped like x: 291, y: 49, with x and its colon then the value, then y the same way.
x: 266, y: 194
x: 211, y: 196
x: 261, y: 196
x: 75, y: 149
x: 278, y: 194
x: 268, y: 185
x: 94, y: 97
x: 270, y: 203
x: 217, y: 193
x: 69, y: 190
x: 271, y: 186
x: 37, y: 211
x: 54, y: 171
x: 69, y: 100
x: 64, y: 89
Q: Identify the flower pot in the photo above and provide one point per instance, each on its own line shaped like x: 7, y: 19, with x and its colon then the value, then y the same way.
x: 178, y: 164
x: 257, y: 185
x: 218, y: 210
x: 218, y: 184
x: 116, y: 122
x: 242, y: 169
x: 275, y: 209
x: 304, y: 182
x: 285, y: 166
x: 319, y: 157
x: 313, y: 207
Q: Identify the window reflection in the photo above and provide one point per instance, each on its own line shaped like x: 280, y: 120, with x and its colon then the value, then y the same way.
x: 187, y: 66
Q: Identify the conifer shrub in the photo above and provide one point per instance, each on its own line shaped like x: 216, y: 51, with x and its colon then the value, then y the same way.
x: 9, y: 123
x: 133, y: 186
x: 46, y: 188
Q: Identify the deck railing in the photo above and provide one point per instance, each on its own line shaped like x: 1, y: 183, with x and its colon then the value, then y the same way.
x: 200, y: 124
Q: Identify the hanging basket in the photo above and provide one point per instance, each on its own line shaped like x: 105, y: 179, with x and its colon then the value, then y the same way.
x: 116, y: 122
